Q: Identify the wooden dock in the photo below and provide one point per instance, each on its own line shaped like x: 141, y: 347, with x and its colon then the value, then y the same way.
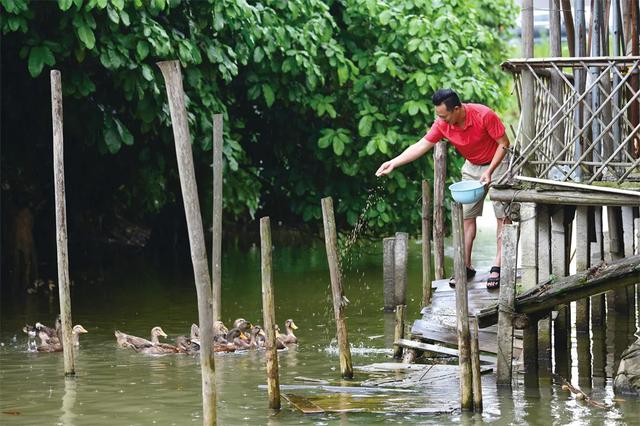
x: 436, y: 332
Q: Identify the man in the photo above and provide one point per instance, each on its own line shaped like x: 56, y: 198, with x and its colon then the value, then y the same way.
x: 479, y: 136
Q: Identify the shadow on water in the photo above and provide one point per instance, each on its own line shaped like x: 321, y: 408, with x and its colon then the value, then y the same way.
x: 117, y: 386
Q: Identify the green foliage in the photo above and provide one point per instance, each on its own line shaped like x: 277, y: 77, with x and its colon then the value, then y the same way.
x: 316, y: 94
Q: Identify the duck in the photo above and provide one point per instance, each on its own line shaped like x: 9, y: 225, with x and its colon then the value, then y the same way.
x: 237, y: 337
x: 220, y: 343
x: 257, y: 333
x: 76, y: 331
x: 129, y: 341
x: 289, y: 338
x: 279, y: 336
x: 220, y: 332
x: 186, y: 345
x: 48, y: 335
x: 31, y: 332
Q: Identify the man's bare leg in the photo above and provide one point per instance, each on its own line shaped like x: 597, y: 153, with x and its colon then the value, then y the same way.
x: 469, y: 236
x: 499, y: 226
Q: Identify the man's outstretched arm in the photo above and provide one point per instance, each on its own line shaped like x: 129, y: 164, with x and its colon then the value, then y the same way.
x: 410, y: 154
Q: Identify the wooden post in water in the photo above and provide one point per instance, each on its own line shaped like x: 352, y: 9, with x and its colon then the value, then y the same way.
x: 268, y: 315
x: 506, y: 303
x: 475, y: 367
x: 627, y: 232
x: 615, y: 250
x: 462, y: 308
x: 175, y: 93
x: 399, y: 331
x: 582, y: 264
x: 439, y: 176
x: 388, y: 274
x: 528, y: 86
x: 216, y: 228
x: 636, y: 235
x: 61, y: 223
x: 400, y: 255
x: 426, y: 244
x: 544, y: 270
x: 339, y: 301
x: 562, y: 323
x: 529, y: 238
x: 598, y: 310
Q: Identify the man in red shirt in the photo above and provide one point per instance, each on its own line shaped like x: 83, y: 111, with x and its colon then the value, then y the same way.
x: 479, y: 136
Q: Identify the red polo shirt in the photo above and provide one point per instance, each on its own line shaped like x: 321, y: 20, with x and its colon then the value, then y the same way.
x: 476, y: 140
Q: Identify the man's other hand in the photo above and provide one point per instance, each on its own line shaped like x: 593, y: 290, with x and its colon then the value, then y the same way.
x: 386, y: 168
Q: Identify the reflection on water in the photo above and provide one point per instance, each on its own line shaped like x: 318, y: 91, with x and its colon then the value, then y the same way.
x: 118, y: 386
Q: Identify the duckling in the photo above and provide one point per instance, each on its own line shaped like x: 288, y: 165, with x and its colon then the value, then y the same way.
x: 279, y: 336
x: 238, y: 338
x: 128, y: 341
x: 186, y: 345
x: 219, y: 332
x: 49, y: 335
x: 242, y: 324
x: 57, y: 346
x: 256, y: 331
x: 158, y: 349
x: 289, y: 337
x: 32, y: 345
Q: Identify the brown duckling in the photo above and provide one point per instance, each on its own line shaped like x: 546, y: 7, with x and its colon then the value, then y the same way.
x: 76, y: 331
x: 257, y: 335
x: 49, y: 335
x: 289, y: 337
x: 129, y: 341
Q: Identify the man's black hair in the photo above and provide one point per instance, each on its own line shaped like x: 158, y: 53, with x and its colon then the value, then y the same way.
x: 448, y: 96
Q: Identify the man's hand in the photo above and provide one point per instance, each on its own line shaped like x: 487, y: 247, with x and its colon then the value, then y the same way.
x: 486, y: 177
x: 386, y: 168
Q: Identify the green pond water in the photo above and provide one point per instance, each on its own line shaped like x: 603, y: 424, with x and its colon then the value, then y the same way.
x: 115, y: 386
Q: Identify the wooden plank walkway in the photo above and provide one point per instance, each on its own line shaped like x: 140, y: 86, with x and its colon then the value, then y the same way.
x: 438, y: 322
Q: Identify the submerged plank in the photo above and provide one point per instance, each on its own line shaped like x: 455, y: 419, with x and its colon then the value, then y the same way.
x: 411, y: 344
x: 302, y: 404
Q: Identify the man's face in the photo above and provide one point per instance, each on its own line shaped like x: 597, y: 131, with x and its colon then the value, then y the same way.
x: 449, y: 117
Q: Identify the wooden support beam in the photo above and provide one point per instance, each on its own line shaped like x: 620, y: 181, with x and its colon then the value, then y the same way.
x: 175, y: 94
x: 429, y: 347
x: 544, y: 271
x: 216, y: 227
x: 269, y: 314
x: 582, y: 264
x: 399, y: 331
x: 462, y: 308
x: 507, y: 303
x: 475, y: 367
x: 528, y: 239
x: 544, y: 297
x: 574, y: 198
x: 439, y: 177
x: 400, y: 274
x: 561, y: 324
x: 339, y: 301
x: 62, y: 253
x: 388, y: 280
x: 427, y: 273
x: 597, y: 302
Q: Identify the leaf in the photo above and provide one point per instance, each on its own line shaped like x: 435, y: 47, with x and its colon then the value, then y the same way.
x: 338, y: 146
x: 85, y: 33
x: 381, y: 64
x: 147, y: 73
x: 125, y: 135
x: 364, y: 125
x: 64, y: 5
x: 142, y: 48
x: 38, y: 56
x: 258, y: 54
x: 113, y: 15
x: 269, y: 96
x: 385, y: 17
x: 325, y: 141
x: 112, y: 141
x: 118, y: 4
x: 343, y: 74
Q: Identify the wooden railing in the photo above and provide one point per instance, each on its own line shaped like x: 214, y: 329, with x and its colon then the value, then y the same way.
x: 586, y: 119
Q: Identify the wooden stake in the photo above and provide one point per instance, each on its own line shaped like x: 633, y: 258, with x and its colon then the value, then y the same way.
x: 268, y: 315
x: 175, y: 93
x: 562, y: 324
x: 582, y: 264
x: 339, y: 301
x: 61, y: 223
x: 439, y: 176
x: 399, y: 331
x: 462, y: 308
x: 216, y: 240
x: 507, y: 303
x: 426, y: 244
x: 544, y: 270
x: 627, y: 232
x: 475, y: 366
x: 400, y: 256
x: 598, y: 310
x: 388, y: 274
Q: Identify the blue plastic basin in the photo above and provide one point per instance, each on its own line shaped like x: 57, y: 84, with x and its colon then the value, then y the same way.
x: 467, y: 191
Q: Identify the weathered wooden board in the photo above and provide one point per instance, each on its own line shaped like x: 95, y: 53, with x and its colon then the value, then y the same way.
x: 302, y: 404
x: 412, y: 344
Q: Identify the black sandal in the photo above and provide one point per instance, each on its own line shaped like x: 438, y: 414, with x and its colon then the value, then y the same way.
x: 493, y: 282
x: 470, y: 274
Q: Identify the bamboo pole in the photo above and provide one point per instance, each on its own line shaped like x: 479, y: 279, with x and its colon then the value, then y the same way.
x: 268, y: 315
x: 61, y: 223
x: 527, y: 79
x: 462, y: 308
x: 507, y: 303
x: 388, y: 268
x: 216, y: 228
x: 339, y: 301
x: 398, y: 331
x: 475, y: 367
x: 175, y: 94
x: 439, y: 177
x: 400, y: 256
x: 426, y: 243
x: 568, y: 22
x: 555, y: 42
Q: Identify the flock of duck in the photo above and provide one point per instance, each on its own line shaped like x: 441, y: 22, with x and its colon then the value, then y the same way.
x: 242, y: 336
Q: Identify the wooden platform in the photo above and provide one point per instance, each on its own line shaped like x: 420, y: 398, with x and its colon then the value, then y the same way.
x: 438, y: 322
